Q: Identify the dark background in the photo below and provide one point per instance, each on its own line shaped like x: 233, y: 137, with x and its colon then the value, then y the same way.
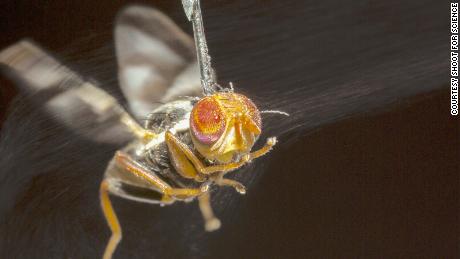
x: 367, y: 164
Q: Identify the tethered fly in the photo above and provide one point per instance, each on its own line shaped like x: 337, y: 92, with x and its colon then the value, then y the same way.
x: 186, y: 145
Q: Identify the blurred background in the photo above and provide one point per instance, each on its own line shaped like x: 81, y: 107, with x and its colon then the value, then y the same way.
x: 367, y: 163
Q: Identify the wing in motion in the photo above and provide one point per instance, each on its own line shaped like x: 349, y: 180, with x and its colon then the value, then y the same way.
x: 156, y: 63
x: 156, y: 59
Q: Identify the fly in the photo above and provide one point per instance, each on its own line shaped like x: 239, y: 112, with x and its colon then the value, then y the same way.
x: 185, y: 146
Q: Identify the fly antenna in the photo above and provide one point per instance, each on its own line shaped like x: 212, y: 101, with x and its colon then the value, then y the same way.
x: 275, y: 112
x: 193, y: 12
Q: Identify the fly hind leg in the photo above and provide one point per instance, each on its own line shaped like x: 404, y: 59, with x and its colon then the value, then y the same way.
x: 111, y: 218
x: 124, y: 161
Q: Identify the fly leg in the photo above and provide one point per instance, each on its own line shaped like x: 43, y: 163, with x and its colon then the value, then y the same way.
x: 177, y: 147
x: 130, y: 166
x: 211, y: 222
x: 264, y: 150
x: 253, y: 155
x: 232, y: 183
x: 111, y: 218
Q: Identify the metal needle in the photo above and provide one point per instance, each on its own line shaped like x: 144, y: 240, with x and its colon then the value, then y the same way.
x: 193, y: 12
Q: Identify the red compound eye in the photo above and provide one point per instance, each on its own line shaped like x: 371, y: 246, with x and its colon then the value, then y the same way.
x: 207, y: 121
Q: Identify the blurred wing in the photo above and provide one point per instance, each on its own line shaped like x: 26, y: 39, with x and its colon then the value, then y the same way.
x: 156, y: 59
x: 77, y: 103
x: 156, y: 64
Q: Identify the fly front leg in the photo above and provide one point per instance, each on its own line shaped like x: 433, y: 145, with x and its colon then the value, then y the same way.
x: 249, y: 157
x: 177, y: 148
x: 264, y: 150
